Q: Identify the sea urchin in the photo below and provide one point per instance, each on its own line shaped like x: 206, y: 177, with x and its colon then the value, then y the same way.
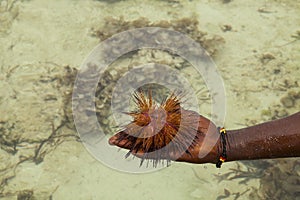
x: 159, y: 130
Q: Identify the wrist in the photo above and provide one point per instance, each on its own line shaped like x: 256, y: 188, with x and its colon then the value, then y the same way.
x: 233, y: 142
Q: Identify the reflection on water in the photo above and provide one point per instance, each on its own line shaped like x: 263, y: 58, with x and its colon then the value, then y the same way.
x: 253, y: 43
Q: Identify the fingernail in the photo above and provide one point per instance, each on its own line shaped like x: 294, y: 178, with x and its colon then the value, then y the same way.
x: 112, y: 141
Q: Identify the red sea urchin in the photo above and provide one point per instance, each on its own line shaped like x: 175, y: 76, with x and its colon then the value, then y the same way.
x: 159, y: 130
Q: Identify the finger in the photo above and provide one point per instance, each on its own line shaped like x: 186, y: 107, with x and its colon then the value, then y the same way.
x: 155, y: 156
x: 149, y: 155
x: 138, y: 154
x: 120, y: 140
x: 114, y: 140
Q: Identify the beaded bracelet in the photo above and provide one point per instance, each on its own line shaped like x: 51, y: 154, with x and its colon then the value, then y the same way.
x: 222, y: 158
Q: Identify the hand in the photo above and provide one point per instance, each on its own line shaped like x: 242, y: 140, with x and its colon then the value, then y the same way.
x: 207, y: 131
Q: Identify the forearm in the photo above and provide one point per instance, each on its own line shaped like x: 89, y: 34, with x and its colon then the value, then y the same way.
x: 274, y: 139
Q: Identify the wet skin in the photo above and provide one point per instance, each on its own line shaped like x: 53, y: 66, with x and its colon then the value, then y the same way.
x: 274, y: 139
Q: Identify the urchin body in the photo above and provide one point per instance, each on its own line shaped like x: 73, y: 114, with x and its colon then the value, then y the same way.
x: 160, y: 130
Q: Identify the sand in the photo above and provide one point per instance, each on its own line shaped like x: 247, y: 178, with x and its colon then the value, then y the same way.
x: 40, y: 155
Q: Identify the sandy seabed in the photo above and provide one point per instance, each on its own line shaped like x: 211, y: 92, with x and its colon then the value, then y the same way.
x: 43, y: 43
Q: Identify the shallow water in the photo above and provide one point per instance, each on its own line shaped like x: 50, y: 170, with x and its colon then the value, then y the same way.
x: 254, y: 44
